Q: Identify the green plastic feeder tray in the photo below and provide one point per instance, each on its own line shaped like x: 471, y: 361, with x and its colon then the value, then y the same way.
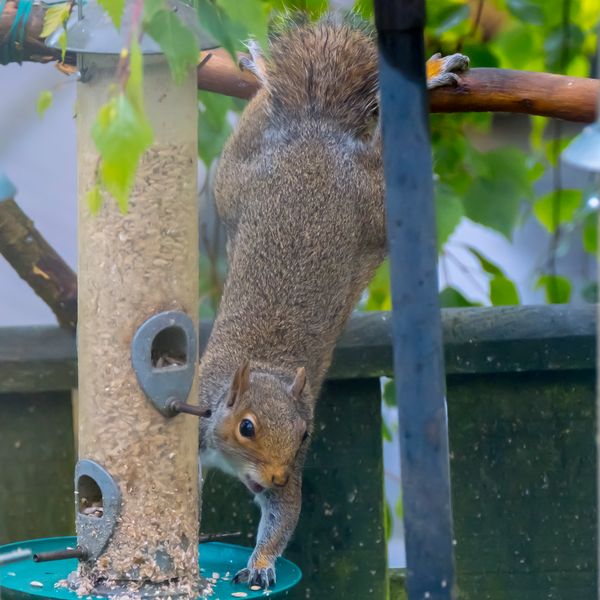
x: 26, y: 579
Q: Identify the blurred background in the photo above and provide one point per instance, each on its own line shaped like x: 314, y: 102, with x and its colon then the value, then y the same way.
x: 514, y: 224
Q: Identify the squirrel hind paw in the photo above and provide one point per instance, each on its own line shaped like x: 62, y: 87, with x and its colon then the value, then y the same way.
x: 263, y: 578
x: 445, y: 70
x: 255, y: 63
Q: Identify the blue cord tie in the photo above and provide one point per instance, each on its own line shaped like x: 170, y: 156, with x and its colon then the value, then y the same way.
x: 16, y: 34
x: 7, y: 189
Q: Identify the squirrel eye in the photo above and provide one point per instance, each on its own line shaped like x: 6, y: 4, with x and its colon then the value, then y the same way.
x: 305, y: 436
x: 247, y: 428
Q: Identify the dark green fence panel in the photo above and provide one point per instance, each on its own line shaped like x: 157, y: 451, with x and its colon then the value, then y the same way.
x: 521, y: 389
x: 37, y: 458
x: 523, y: 466
x: 339, y: 543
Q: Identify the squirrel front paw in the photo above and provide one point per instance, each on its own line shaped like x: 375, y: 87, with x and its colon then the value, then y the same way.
x: 444, y: 70
x: 261, y: 573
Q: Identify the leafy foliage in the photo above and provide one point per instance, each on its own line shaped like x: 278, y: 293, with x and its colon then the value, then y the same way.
x: 213, y: 125
x: 115, y: 9
x: 122, y: 134
x: 175, y: 39
x: 55, y: 17
x: 557, y: 288
x: 557, y: 208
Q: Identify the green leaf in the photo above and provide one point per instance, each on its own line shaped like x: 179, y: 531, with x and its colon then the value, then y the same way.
x: 115, y: 9
x: 561, y: 45
x: 121, y: 134
x: 448, y: 17
x: 538, y: 126
x: 449, y: 213
x: 176, y: 41
x: 54, y: 18
x: 554, y: 149
x: 151, y: 7
x: 389, y: 393
x: 557, y: 288
x: 517, y: 46
x: 134, y: 87
x: 489, y: 202
x: 399, y: 508
x: 216, y: 22
x: 501, y: 180
x: 503, y: 291
x: 579, y: 66
x: 487, y: 265
x: 252, y: 16
x: 44, y: 102
x: 213, y: 126
x: 62, y: 42
x: 386, y: 434
x: 388, y: 521
x: 481, y: 55
x: 529, y: 11
x: 590, y: 233
x: 451, y: 298
x: 93, y: 199
x: 557, y: 207
x: 380, y: 295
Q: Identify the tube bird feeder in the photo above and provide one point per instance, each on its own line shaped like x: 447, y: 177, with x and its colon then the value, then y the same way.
x: 136, y: 481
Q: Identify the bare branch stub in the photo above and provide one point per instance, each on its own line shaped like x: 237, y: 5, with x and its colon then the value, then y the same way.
x: 38, y: 263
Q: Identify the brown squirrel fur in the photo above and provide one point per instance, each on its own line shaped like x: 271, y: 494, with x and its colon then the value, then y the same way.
x: 299, y: 188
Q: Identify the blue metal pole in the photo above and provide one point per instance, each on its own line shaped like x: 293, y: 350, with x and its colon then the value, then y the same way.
x: 418, y: 354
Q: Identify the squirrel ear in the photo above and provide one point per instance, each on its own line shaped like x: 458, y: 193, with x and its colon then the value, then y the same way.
x: 240, y: 382
x: 299, y: 383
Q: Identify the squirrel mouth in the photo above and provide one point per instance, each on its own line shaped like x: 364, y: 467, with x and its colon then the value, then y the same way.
x: 254, y: 487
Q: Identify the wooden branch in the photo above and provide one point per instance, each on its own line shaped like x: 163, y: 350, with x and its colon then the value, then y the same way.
x: 37, y: 263
x: 480, y: 90
x: 504, y: 90
x: 219, y: 73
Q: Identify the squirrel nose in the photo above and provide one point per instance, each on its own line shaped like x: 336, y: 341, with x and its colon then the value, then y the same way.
x: 280, y: 479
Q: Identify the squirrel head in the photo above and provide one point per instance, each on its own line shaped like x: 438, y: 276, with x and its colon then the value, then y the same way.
x: 262, y: 425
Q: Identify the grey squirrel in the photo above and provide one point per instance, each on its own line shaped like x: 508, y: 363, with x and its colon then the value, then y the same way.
x: 300, y: 190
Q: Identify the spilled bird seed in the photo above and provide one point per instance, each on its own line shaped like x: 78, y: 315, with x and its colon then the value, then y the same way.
x: 37, y: 584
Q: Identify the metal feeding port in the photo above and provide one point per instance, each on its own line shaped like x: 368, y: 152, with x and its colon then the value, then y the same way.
x: 164, y: 353
x: 97, y: 507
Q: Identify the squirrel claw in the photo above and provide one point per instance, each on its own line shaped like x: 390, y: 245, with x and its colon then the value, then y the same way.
x: 264, y: 578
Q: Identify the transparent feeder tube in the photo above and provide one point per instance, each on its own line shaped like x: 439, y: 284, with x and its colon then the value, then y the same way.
x: 131, y: 267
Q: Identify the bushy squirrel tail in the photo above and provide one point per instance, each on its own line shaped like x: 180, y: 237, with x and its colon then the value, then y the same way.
x: 326, y: 69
